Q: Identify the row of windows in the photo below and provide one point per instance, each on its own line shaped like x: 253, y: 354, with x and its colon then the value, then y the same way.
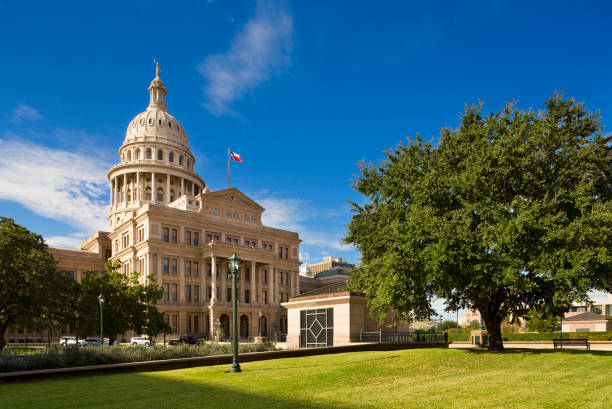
x: 170, y: 266
x: 170, y: 235
x: 130, y: 155
x: 192, y: 294
x: 235, y: 215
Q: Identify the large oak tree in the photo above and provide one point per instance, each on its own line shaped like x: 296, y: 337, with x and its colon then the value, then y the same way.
x: 510, y: 211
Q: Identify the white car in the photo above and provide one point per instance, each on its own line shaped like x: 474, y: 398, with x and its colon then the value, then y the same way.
x: 67, y: 341
x: 141, y: 341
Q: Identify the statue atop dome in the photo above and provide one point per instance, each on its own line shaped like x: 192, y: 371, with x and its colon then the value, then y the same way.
x: 157, y: 69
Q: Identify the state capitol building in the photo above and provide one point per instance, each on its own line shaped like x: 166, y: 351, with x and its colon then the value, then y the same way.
x: 164, y: 221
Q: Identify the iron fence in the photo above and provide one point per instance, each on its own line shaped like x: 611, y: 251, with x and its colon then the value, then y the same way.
x: 401, y: 337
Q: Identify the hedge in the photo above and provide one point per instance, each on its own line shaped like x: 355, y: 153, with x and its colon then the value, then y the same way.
x: 64, y: 357
x: 541, y: 336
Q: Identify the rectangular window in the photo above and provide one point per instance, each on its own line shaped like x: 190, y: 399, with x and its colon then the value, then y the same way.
x: 166, y: 291
x: 228, y: 214
x: 236, y: 216
x: 173, y: 234
x: 247, y: 275
x: 228, y: 294
x: 166, y: 265
x: 174, y: 323
x: 265, y: 297
x: 247, y: 296
x: 196, y: 239
x: 173, y: 266
x: 166, y: 234
x: 209, y: 293
x: 218, y: 294
x: 195, y: 269
x: 188, y: 292
x: 188, y: 324
x: 246, y: 218
x: 597, y: 309
x: 209, y: 238
x: 217, y: 237
x: 174, y: 292
x: 609, y: 310
x: 141, y: 234
x: 187, y: 267
x: 188, y: 237
x: 317, y: 328
x: 196, y: 324
x: 216, y: 212
x: 208, y: 270
x: 265, y: 276
x: 196, y: 293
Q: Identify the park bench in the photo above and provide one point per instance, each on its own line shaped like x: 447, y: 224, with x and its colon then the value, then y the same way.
x: 572, y: 343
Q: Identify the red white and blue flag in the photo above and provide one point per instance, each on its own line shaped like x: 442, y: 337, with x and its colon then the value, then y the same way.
x: 235, y: 156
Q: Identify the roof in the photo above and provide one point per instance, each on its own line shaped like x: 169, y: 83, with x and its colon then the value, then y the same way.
x: 586, y: 316
x: 334, y: 271
x: 328, y: 289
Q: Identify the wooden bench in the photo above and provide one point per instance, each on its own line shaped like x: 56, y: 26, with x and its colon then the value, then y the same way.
x: 572, y: 343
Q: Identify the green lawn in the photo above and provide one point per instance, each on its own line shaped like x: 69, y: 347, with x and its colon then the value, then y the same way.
x: 426, y: 378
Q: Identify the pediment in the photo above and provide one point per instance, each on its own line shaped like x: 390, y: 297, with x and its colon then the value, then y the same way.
x: 232, y: 197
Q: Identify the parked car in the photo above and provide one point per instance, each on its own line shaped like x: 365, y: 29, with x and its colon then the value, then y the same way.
x: 93, y: 341
x: 65, y: 341
x: 141, y: 341
x: 184, y: 340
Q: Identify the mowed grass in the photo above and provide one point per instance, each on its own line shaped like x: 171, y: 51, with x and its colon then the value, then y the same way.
x: 425, y: 378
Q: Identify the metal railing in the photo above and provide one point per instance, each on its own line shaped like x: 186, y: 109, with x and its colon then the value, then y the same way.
x: 401, y: 337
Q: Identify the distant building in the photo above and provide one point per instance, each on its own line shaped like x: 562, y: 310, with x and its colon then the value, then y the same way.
x: 327, y: 264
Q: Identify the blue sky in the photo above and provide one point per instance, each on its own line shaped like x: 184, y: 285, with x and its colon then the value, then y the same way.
x: 302, y: 90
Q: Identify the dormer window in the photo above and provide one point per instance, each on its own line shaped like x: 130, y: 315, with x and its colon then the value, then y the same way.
x: 161, y: 122
x: 169, y: 124
x: 150, y: 121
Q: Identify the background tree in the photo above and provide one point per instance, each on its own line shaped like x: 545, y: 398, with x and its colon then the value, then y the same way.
x: 542, y: 321
x: 508, y: 212
x: 33, y: 293
x: 128, y: 304
x: 445, y: 325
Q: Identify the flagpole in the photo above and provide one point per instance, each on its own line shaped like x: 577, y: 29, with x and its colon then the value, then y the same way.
x: 228, y: 155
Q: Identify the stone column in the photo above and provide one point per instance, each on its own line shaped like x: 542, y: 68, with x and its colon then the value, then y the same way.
x: 193, y: 189
x: 112, y: 195
x: 203, y: 284
x: 213, y: 279
x: 124, y: 189
x: 181, y: 274
x: 137, y: 186
x: 272, y: 286
x: 168, y: 188
x: 153, y: 187
x: 253, y: 294
x: 182, y: 186
x: 223, y: 281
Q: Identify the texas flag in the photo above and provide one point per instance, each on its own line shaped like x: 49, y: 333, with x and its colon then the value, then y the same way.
x: 235, y: 156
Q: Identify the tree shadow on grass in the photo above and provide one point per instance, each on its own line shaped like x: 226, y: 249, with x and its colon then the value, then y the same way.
x: 320, y: 366
x: 539, y: 351
x: 172, y: 389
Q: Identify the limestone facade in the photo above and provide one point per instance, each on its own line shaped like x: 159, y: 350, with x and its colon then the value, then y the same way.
x: 165, y: 223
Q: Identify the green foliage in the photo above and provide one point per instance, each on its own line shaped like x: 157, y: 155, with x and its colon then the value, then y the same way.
x: 508, y: 212
x: 445, y: 325
x: 549, y: 336
x: 539, y: 321
x: 64, y: 357
x: 33, y: 292
x: 128, y: 303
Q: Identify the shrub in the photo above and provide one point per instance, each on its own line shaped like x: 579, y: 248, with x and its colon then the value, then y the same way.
x: 63, y: 357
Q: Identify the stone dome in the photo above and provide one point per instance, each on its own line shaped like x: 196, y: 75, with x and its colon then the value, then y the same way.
x: 156, y: 124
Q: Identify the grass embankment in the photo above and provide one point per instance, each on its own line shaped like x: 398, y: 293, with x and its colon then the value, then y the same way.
x: 64, y: 357
x: 430, y: 378
x: 540, y: 336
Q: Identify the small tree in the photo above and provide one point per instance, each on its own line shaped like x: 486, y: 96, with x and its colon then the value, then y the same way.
x: 33, y: 292
x: 447, y: 324
x: 542, y: 321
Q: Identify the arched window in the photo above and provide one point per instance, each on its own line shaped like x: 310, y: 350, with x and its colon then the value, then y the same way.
x: 161, y: 122
x: 129, y: 195
x: 169, y: 124
x: 160, y: 155
x: 171, y: 195
x: 148, y: 193
x: 244, y: 326
x: 171, y: 157
x: 160, y: 194
x: 130, y: 156
x: 180, y: 159
x: 150, y: 121
x: 137, y: 157
x: 149, y: 153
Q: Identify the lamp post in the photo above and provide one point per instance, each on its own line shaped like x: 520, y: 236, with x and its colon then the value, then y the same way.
x: 218, y: 328
x: 259, y: 315
x: 234, y: 267
x: 76, y: 335
x: 101, y: 302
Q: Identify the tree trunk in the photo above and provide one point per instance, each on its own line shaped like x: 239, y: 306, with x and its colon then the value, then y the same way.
x: 493, y: 323
x: 2, y: 341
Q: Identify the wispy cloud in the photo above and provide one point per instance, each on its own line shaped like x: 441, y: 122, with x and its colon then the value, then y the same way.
x: 261, y: 48
x: 297, y: 215
x: 68, y: 186
x: 25, y: 113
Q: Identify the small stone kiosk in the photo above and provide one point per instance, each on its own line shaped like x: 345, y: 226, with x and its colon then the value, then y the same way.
x: 480, y: 337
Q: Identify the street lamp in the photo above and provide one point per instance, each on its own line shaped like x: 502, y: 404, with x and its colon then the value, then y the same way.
x: 101, y: 302
x: 234, y: 267
x: 259, y: 315
x: 76, y: 315
x: 218, y: 327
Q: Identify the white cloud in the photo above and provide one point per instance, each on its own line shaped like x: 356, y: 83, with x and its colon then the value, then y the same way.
x: 68, y: 186
x: 296, y: 215
x: 261, y: 48
x: 70, y: 241
x: 25, y: 113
